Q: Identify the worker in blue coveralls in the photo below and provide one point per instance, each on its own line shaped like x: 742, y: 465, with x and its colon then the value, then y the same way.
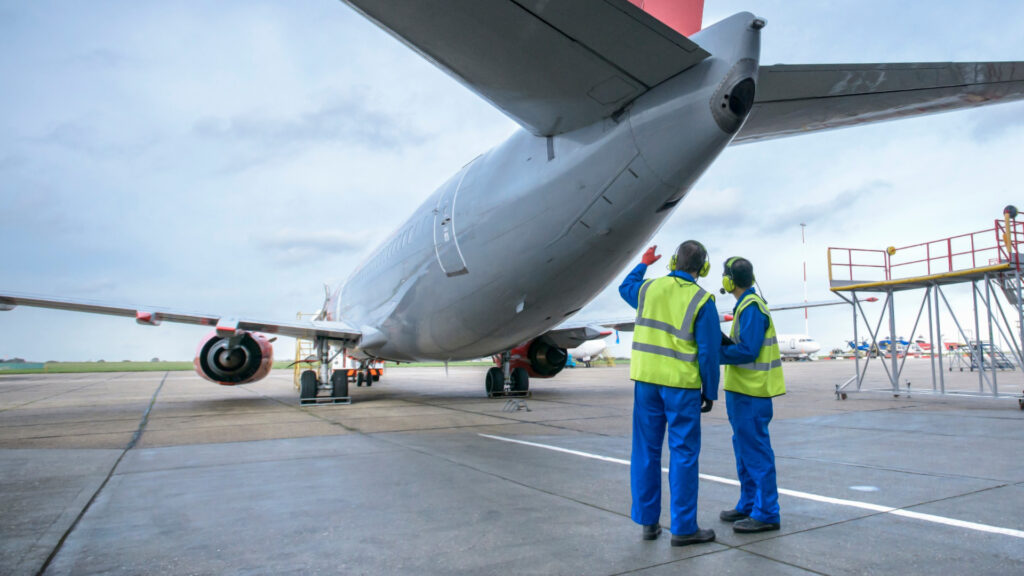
x: 674, y: 363
x: 753, y: 376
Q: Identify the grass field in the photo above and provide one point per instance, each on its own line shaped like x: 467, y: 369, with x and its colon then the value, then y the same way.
x: 82, y: 367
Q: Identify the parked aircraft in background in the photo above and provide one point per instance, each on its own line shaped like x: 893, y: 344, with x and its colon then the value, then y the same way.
x: 797, y: 346
x: 621, y: 113
x: 587, y: 351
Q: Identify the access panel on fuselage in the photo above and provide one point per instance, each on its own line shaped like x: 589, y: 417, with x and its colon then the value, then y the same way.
x: 446, y: 246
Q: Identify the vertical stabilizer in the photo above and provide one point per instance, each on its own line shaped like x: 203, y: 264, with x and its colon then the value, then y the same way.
x: 683, y: 16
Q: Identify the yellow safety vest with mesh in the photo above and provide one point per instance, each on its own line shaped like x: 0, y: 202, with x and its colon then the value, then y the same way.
x: 664, y: 347
x: 763, y: 376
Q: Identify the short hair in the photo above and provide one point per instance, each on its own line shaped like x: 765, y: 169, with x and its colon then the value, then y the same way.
x: 742, y: 272
x: 690, y: 257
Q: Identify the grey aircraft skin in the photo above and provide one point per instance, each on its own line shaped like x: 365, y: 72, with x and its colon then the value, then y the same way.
x: 502, y: 252
x: 621, y: 115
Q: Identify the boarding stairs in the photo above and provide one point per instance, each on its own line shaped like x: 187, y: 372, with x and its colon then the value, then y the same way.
x: 305, y: 351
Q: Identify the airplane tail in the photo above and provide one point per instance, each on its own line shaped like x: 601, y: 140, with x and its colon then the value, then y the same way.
x: 683, y: 16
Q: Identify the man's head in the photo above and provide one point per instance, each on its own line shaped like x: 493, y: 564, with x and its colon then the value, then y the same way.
x: 691, y: 257
x: 737, y: 272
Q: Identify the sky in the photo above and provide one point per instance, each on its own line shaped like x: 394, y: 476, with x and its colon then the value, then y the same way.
x: 231, y: 157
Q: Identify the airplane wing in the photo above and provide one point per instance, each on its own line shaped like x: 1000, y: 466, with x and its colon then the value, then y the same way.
x: 153, y: 315
x: 550, y: 66
x: 792, y: 100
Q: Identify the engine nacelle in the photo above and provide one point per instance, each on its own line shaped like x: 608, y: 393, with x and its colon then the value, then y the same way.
x: 540, y: 358
x: 249, y: 360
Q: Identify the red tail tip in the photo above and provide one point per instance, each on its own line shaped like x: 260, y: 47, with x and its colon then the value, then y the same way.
x: 683, y: 16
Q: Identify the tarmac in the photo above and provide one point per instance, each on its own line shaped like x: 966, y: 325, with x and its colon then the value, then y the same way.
x: 166, y: 473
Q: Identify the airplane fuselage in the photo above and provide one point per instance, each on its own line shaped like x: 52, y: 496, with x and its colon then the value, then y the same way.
x: 527, y: 233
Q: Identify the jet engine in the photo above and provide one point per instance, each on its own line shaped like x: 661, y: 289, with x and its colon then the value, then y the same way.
x: 241, y: 358
x: 540, y: 358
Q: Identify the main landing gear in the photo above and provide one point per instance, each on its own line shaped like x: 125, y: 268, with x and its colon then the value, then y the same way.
x: 334, y: 382
x: 505, y: 381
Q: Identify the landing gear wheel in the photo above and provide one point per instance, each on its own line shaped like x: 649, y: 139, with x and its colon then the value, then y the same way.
x: 376, y: 377
x: 520, y: 380
x: 307, y: 385
x: 368, y: 379
x: 495, y: 383
x: 1021, y: 403
x: 339, y: 384
x: 360, y: 379
x: 843, y: 396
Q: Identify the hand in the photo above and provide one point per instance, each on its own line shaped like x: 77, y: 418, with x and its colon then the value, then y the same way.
x: 650, y: 257
x: 705, y: 404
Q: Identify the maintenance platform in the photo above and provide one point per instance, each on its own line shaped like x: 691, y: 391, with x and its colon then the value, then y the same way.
x: 164, y: 473
x: 987, y: 263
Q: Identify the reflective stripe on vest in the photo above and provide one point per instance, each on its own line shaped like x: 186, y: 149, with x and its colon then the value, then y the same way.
x: 762, y: 377
x: 664, y: 347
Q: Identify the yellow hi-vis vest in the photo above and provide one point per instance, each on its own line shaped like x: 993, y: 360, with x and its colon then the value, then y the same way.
x: 664, y: 347
x: 763, y: 376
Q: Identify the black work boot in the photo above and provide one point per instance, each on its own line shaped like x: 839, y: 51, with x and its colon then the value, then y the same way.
x: 732, y: 515
x: 750, y: 525
x: 698, y: 537
x: 651, y: 531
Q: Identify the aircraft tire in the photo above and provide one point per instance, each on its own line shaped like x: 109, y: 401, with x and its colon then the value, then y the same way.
x: 520, y: 380
x: 376, y: 378
x: 339, y: 384
x: 369, y: 379
x: 307, y: 385
x: 495, y: 383
x: 360, y: 379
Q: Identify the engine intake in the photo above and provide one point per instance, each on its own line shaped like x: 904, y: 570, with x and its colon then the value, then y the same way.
x: 540, y: 358
x: 240, y: 359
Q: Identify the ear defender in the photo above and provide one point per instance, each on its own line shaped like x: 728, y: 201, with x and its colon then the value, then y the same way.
x: 672, y: 263
x: 728, y: 285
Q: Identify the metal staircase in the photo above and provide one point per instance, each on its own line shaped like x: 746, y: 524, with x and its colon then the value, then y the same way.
x: 305, y: 352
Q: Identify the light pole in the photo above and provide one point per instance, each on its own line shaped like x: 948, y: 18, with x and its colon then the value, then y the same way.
x: 803, y: 242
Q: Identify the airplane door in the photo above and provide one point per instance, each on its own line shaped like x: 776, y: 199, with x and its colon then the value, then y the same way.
x: 446, y: 246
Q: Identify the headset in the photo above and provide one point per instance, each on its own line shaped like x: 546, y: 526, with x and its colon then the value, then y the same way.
x: 728, y: 283
x: 704, y: 269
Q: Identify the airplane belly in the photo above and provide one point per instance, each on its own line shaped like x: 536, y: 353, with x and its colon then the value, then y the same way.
x: 539, y: 226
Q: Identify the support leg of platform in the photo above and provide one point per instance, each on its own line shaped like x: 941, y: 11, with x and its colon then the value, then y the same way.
x: 991, y: 338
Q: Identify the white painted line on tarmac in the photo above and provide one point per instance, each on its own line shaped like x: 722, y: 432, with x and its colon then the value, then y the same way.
x: 796, y: 493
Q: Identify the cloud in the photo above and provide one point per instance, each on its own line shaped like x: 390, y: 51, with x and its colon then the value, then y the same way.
x: 103, y: 58
x: 11, y: 161
x: 85, y: 139
x: 293, y: 245
x: 828, y: 211
x: 997, y: 121
x: 347, y: 119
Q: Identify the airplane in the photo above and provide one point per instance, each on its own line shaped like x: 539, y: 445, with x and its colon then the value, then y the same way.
x: 621, y: 109
x: 589, y: 350
x: 797, y: 346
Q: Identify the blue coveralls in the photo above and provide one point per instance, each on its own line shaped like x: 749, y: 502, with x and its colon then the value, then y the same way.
x: 654, y: 406
x: 749, y: 417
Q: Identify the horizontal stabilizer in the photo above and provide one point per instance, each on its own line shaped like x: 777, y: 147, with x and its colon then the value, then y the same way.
x: 627, y: 324
x: 550, y: 66
x: 793, y: 100
x: 572, y: 334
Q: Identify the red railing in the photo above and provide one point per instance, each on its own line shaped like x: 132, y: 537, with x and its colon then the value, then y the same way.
x: 955, y: 253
